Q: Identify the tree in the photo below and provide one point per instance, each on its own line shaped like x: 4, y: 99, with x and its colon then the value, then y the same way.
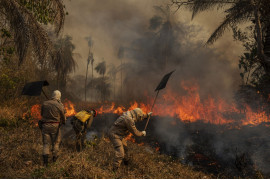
x: 113, y: 70
x: 101, y: 69
x: 24, y: 19
x: 102, y: 87
x: 89, y: 59
x: 163, y: 24
x: 120, y: 56
x: 63, y: 61
x: 237, y: 12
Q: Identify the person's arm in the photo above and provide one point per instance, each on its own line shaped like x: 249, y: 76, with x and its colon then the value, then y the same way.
x: 132, y: 128
x: 63, y: 118
x: 89, y: 122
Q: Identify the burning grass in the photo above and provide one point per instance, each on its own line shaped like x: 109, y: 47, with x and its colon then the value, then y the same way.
x: 20, y: 157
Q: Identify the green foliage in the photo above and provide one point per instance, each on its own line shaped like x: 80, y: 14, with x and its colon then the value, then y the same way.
x: 8, y: 85
x: 250, y: 65
x: 42, y: 9
x: 7, y: 49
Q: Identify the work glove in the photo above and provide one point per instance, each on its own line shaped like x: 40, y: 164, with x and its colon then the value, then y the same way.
x: 144, y: 133
x: 149, y: 114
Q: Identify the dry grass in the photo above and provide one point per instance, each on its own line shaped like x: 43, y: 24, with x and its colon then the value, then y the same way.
x: 20, y: 157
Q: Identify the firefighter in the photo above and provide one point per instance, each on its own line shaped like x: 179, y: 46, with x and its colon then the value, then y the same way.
x: 120, y: 129
x: 53, y: 115
x: 81, y: 122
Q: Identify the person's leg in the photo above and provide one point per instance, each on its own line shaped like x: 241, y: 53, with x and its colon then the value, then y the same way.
x: 126, y: 155
x: 56, y: 140
x: 118, y: 153
x: 46, y: 148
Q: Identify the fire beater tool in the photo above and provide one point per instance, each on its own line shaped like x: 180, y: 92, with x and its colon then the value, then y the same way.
x: 160, y: 86
x: 35, y: 88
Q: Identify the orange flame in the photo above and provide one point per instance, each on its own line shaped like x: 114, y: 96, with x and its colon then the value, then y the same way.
x: 33, y: 115
x: 190, y: 107
x: 69, y: 107
x: 35, y: 112
x: 130, y: 138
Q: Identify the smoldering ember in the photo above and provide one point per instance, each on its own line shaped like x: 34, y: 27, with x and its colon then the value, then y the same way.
x: 131, y: 89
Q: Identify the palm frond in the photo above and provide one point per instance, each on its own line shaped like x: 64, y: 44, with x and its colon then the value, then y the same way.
x: 27, y: 30
x: 238, y: 13
x: 201, y: 5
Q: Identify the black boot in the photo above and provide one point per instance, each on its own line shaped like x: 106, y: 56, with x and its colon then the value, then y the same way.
x: 45, y: 160
x: 54, y: 158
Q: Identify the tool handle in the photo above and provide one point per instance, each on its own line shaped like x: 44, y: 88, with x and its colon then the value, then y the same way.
x: 151, y: 111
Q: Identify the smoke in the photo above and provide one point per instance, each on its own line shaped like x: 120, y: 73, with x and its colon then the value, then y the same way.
x: 151, y: 40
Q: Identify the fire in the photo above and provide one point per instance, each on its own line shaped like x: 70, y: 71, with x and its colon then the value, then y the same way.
x: 130, y: 138
x: 69, y: 107
x: 35, y: 112
x: 191, y: 107
x: 188, y: 108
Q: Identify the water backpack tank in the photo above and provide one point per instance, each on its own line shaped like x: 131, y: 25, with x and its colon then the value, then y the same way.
x: 83, y: 115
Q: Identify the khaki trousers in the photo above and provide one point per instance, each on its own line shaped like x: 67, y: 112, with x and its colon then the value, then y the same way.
x: 120, y: 151
x: 51, y: 137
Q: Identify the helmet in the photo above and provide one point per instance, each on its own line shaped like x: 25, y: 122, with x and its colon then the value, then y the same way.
x: 138, y: 113
x: 56, y: 95
x: 94, y: 112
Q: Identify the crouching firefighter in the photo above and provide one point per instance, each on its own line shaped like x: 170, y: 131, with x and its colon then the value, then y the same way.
x: 120, y: 129
x: 53, y: 116
x: 81, y: 122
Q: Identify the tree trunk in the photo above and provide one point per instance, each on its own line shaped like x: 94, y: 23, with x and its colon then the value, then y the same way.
x: 265, y: 60
x: 85, y: 82
x: 267, y: 41
x: 121, y: 80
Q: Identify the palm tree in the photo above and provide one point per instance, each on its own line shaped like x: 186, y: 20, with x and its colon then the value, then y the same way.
x: 89, y: 59
x: 237, y: 12
x: 112, y: 73
x: 63, y: 61
x: 24, y: 20
x: 164, y: 25
x: 101, y: 69
x: 102, y: 86
x: 120, y: 56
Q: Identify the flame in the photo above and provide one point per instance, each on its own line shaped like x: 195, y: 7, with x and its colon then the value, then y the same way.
x: 191, y: 108
x: 33, y: 115
x: 188, y: 108
x: 130, y: 138
x: 69, y: 107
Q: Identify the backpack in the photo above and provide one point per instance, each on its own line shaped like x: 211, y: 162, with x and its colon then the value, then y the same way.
x: 83, y: 116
